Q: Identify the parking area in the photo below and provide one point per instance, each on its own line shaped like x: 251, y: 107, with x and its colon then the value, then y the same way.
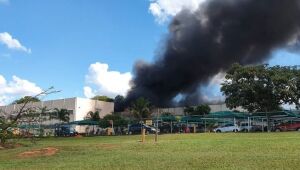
x: 229, y: 121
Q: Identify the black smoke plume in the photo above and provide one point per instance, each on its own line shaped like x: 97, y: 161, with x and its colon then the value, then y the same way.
x: 202, y: 43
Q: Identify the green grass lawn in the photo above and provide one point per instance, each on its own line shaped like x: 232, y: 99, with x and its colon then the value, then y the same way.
x: 180, y: 151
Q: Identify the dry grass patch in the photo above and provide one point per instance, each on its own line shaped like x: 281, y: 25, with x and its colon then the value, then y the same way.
x: 49, y: 151
x: 107, y: 146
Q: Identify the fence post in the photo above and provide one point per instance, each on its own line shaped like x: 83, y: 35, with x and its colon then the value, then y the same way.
x: 143, y: 135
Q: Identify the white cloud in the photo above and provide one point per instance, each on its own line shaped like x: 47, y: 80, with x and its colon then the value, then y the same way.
x: 12, y: 43
x: 88, y: 92
x: 212, y: 91
x: 163, y: 9
x: 16, y: 88
x: 106, y: 82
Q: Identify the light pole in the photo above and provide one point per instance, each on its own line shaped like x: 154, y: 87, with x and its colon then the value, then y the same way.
x: 156, y: 133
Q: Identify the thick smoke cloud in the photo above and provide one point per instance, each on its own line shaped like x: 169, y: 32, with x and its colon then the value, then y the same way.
x: 202, y: 43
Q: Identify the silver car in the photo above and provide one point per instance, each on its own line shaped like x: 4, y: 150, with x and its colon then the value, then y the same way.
x: 227, y: 128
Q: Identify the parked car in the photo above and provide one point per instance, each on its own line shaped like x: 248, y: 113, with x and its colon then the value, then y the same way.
x: 227, y: 128
x: 252, y: 128
x: 166, y: 128
x: 291, y: 126
x: 65, y: 131
x: 136, y: 129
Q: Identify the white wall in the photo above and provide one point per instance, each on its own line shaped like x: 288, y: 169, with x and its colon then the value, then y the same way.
x: 83, y: 106
x: 105, y: 108
x: 79, y: 106
x: 68, y: 104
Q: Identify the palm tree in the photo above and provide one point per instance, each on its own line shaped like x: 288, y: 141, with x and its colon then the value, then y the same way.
x: 95, y: 116
x: 62, y: 115
x: 141, y: 108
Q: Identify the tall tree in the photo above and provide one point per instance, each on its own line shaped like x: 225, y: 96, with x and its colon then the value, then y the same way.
x: 286, y: 82
x: 141, y: 108
x: 117, y: 119
x: 119, y: 103
x: 95, y: 116
x: 103, y: 98
x: 261, y: 88
x: 202, y: 109
x: 26, y: 99
x: 10, y: 120
x: 166, y: 114
x: 63, y: 115
x: 188, y: 110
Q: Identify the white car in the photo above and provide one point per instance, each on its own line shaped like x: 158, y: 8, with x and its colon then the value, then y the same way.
x: 227, y: 128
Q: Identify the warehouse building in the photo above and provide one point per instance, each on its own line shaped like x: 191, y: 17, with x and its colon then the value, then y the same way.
x: 179, y: 111
x: 77, y: 107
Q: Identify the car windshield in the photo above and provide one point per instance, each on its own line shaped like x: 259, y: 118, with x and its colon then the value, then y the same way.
x: 228, y: 125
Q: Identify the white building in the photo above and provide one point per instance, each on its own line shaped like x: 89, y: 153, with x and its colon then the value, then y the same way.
x: 77, y: 107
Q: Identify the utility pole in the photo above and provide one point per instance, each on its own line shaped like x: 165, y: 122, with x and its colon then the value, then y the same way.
x: 156, y: 133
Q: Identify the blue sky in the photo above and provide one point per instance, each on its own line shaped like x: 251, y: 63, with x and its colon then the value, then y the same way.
x: 66, y: 43
x: 66, y: 36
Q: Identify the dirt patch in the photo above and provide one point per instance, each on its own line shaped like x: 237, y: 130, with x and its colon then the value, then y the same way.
x: 39, y: 152
x: 107, y: 146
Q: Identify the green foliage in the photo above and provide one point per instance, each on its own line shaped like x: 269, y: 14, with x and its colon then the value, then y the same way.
x: 119, y: 103
x: 4, y: 135
x: 202, y: 109
x: 95, y: 116
x: 103, y: 98
x: 117, y: 119
x: 261, y: 88
x: 26, y: 99
x: 166, y: 114
x: 61, y: 114
x: 5, y: 130
x: 141, y: 108
x: 286, y: 82
x: 188, y: 110
x: 24, y: 113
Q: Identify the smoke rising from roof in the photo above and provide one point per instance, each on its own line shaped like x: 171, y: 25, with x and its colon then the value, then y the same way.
x: 202, y: 43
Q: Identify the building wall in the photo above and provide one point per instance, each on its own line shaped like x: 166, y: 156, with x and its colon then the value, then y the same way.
x: 180, y: 110
x: 83, y: 106
x: 104, y: 107
x: 78, y: 106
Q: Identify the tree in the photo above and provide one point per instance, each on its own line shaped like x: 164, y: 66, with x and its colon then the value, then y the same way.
x: 63, y: 115
x: 103, y: 98
x: 117, y: 119
x: 202, y: 109
x: 188, y: 110
x: 9, y: 120
x: 261, y: 88
x: 5, y: 133
x: 141, y: 108
x: 119, y: 103
x: 286, y: 81
x: 166, y: 114
x: 95, y: 116
x: 25, y: 99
